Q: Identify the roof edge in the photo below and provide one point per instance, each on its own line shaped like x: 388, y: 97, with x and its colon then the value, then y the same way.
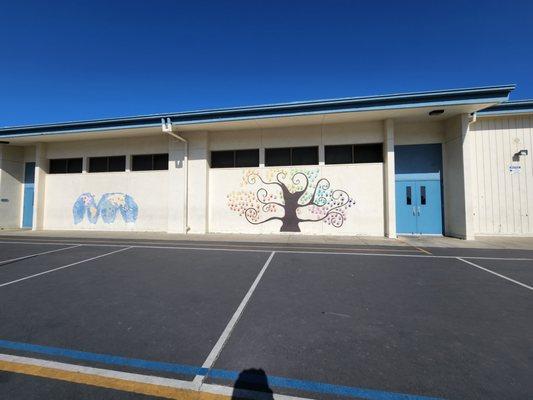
x: 485, y: 94
x: 508, y: 108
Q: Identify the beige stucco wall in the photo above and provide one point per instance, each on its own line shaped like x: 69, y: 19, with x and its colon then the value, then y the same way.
x: 362, y: 182
x: 148, y: 189
x: 502, y: 202
x: 11, y: 180
x: 480, y: 195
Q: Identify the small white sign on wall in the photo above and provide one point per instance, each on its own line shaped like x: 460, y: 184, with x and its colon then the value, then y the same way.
x: 514, y: 169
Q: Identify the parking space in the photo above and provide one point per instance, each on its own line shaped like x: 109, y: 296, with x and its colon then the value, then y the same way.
x: 416, y: 325
x: 153, y: 304
x: 519, y: 270
x: 10, y: 252
x: 343, y: 323
x: 64, y: 256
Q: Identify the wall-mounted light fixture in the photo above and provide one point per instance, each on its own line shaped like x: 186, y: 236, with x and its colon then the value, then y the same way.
x: 521, y: 153
x: 436, y: 112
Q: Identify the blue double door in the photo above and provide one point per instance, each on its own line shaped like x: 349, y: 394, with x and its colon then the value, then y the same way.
x: 418, y: 207
x: 418, y: 172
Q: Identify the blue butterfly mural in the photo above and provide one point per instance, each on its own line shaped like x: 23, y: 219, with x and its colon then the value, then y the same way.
x: 107, y: 208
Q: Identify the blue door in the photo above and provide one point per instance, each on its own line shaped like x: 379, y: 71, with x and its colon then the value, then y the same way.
x: 29, y: 180
x: 406, y: 207
x: 418, y: 189
x: 418, y: 207
x: 429, y: 206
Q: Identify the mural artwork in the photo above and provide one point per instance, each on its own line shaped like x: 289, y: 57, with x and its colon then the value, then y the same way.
x: 291, y: 196
x: 107, y: 208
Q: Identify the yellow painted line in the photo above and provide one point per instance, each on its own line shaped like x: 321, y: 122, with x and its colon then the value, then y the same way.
x: 422, y: 250
x: 416, y: 247
x: 108, y: 382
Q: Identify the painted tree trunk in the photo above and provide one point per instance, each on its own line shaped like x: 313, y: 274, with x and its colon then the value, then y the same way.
x: 290, y: 220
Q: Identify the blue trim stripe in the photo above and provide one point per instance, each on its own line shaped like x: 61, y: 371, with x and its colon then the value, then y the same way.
x: 275, y: 381
x: 104, y: 359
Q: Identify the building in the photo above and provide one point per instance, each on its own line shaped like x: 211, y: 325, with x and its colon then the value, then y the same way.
x: 451, y: 162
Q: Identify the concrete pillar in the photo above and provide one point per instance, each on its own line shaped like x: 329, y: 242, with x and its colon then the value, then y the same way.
x: 389, y: 179
x: 458, y: 182
x: 468, y: 178
x: 41, y: 169
x: 176, y: 186
x: 198, y: 191
x: 11, y: 181
x: 321, y: 154
x: 261, y: 157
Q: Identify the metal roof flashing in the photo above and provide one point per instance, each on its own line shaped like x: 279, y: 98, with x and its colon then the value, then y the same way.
x: 489, y: 94
x: 508, y: 108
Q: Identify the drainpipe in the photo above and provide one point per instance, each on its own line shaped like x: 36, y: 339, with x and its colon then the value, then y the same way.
x: 166, y: 127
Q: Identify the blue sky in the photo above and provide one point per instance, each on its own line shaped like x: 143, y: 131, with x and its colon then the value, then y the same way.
x: 75, y: 60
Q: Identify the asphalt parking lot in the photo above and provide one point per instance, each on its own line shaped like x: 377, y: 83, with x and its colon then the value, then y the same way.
x: 87, y: 319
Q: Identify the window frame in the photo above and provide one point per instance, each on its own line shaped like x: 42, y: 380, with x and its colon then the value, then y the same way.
x: 67, y: 164
x: 354, y: 152
x: 152, y: 162
x: 234, y: 154
x: 291, y: 162
x: 107, y: 164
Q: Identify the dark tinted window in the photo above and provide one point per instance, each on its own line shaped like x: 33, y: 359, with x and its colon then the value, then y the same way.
x: 222, y: 159
x: 160, y: 161
x: 58, y: 166
x: 66, y: 166
x: 98, y: 164
x: 277, y: 157
x: 148, y: 162
x: 142, y: 162
x: 305, y: 155
x: 74, y: 165
x: 107, y: 164
x: 247, y: 158
x: 342, y: 154
x: 368, y: 153
x: 235, y: 158
x: 117, y: 163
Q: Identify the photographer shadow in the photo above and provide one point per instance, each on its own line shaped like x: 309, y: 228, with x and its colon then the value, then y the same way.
x: 252, y: 383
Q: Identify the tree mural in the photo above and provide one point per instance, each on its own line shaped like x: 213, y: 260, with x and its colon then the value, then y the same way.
x: 291, y: 196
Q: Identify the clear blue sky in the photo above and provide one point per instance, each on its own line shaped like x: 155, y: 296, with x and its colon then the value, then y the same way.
x: 76, y: 60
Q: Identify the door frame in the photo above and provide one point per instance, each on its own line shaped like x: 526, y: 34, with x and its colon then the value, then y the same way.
x: 432, y: 154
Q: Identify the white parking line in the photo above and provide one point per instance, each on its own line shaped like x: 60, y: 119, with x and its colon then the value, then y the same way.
x: 495, y: 273
x: 62, y: 267
x: 283, y: 250
x: 219, y: 345
x: 267, y: 248
x: 96, y: 373
x: 37, y: 254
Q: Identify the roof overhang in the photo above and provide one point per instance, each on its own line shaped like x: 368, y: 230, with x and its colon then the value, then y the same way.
x: 406, y: 106
x: 508, y: 108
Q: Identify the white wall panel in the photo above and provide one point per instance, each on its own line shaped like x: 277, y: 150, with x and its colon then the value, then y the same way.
x: 503, y: 201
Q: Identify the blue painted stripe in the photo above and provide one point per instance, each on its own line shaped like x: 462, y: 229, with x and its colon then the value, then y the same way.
x: 319, y: 387
x: 104, y: 359
x: 274, y: 381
